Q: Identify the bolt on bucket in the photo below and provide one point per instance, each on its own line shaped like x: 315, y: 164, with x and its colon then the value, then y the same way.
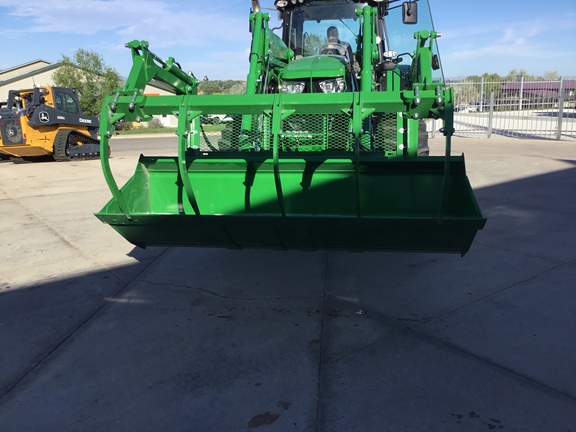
x: 284, y: 197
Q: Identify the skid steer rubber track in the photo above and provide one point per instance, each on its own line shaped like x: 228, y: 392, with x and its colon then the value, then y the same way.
x: 71, y: 144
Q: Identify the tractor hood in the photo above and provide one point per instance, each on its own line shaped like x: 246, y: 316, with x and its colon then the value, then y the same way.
x: 319, y: 66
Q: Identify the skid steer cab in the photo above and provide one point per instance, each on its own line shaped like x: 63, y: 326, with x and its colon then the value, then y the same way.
x: 47, y: 121
x: 327, y: 149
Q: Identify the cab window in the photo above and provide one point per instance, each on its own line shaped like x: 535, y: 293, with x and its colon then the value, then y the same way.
x: 66, y: 103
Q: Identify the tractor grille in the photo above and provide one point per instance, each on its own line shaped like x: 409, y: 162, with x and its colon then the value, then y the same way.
x: 386, y: 131
x: 257, y: 138
x: 299, y: 133
x: 316, y: 132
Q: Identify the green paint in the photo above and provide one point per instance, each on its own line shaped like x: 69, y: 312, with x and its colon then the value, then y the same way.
x: 304, y: 170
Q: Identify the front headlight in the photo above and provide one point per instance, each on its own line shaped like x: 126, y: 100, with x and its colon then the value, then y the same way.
x: 292, y: 86
x: 334, y: 85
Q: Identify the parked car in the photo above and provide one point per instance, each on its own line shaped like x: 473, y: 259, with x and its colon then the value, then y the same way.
x: 215, y: 118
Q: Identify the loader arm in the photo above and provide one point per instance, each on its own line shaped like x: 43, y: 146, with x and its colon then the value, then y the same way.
x: 309, y: 159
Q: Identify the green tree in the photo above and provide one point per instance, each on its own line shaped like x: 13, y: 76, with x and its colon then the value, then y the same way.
x: 516, y: 75
x: 476, y: 87
x: 227, y: 84
x: 87, y: 72
x: 513, y: 75
x: 239, y: 88
x: 209, y: 87
x: 552, y: 76
x: 222, y: 87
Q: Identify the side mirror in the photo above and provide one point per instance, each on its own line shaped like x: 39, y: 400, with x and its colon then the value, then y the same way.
x: 410, y: 12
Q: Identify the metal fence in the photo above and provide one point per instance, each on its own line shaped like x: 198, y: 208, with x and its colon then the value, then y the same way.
x: 522, y: 109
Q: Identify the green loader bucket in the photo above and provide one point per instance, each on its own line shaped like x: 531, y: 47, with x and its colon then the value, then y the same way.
x: 302, y: 201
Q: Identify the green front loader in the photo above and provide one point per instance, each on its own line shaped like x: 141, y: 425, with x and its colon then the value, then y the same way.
x: 327, y: 149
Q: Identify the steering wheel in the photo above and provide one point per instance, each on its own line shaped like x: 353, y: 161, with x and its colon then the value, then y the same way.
x: 333, y: 49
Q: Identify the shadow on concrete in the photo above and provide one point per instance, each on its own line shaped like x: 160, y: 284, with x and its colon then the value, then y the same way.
x: 218, y: 340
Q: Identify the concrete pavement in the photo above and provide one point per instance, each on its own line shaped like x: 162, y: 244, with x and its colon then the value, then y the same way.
x: 98, y: 335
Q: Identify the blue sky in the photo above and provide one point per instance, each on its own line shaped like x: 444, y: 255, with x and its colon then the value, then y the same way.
x: 211, y: 37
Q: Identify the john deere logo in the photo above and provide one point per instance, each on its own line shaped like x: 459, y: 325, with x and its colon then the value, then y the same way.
x: 44, y: 118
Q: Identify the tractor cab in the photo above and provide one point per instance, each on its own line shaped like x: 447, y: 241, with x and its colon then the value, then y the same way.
x: 305, y: 27
x: 326, y: 43
x: 323, y: 38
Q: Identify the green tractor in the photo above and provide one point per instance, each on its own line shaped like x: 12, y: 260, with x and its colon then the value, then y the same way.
x: 327, y: 148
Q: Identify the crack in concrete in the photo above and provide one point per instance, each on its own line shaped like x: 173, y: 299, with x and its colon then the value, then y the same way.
x: 436, y: 341
x: 226, y: 297
x: 321, y: 348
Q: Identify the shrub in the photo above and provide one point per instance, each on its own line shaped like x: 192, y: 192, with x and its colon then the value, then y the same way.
x: 154, y: 124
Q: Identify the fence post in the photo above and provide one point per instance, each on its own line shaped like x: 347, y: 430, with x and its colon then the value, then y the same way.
x: 480, y: 108
x: 521, y: 93
x: 491, y: 115
x: 560, y: 109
